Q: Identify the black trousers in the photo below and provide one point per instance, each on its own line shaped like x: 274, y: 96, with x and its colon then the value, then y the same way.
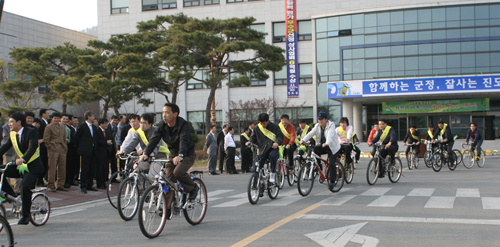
x: 113, y: 162
x: 289, y: 153
x: 102, y: 171
x: 230, y: 159
x: 391, y: 151
x: 222, y: 157
x: 72, y: 165
x: 45, y: 161
x: 88, y: 169
x: 332, y: 158
x: 246, y: 159
x: 358, y: 152
x: 28, y: 183
x: 346, y: 149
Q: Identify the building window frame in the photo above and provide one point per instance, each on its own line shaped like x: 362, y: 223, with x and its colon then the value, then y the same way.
x: 196, y: 3
x: 160, y: 4
x: 118, y: 10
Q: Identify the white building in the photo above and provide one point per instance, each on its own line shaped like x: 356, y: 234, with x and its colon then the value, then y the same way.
x: 354, y: 41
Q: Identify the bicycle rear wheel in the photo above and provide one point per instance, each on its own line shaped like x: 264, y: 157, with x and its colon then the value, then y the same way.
x: 6, y: 234
x: 152, y: 215
x: 437, y: 162
x: 253, y: 188
x: 128, y: 199
x: 372, y: 171
x: 410, y: 159
x: 395, y: 170
x: 482, y: 160
x: 291, y: 176
x: 195, y: 210
x: 452, y: 161
x: 305, y: 182
x: 40, y: 209
x: 459, y: 156
x: 112, y: 190
x: 349, y: 172
x: 428, y: 159
x: 339, y: 181
x: 468, y: 159
x: 280, y: 174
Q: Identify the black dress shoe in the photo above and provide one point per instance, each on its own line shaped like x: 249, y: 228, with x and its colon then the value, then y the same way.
x: 194, y: 192
x: 74, y: 183
x: 102, y: 187
x: 92, y: 189
x: 235, y: 172
x: 24, y: 221
x: 84, y: 191
x: 61, y: 189
x: 67, y: 186
x: 214, y: 173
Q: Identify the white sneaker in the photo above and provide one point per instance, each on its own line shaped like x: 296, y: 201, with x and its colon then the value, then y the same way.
x: 272, y: 176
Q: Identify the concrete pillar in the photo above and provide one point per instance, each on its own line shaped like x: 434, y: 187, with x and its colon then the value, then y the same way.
x: 357, y: 120
x: 346, y: 110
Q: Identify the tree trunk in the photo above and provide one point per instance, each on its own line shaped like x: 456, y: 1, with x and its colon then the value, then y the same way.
x: 174, y: 93
x: 208, y: 109
x: 117, y: 113
x: 64, y: 107
x: 105, y: 108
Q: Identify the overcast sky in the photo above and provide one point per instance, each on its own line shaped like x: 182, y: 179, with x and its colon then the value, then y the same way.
x: 72, y: 14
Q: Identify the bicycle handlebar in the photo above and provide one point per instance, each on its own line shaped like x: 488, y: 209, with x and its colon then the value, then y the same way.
x: 7, y: 165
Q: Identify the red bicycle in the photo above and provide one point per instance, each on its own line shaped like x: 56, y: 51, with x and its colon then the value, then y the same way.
x: 311, y: 169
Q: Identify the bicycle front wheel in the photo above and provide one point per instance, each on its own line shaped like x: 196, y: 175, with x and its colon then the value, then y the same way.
x: 468, y: 159
x: 437, y: 162
x: 372, y: 171
x: 349, y: 172
x: 305, y: 182
x: 112, y: 190
x: 481, y: 160
x: 195, y: 210
x: 459, y: 156
x: 128, y: 199
x: 410, y: 159
x: 428, y: 159
x: 452, y: 161
x: 395, y: 170
x: 253, y: 188
x: 280, y: 174
x: 152, y: 213
x: 291, y: 175
x: 40, y: 209
x: 6, y: 234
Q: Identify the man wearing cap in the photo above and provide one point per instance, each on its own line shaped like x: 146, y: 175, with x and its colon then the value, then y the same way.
x: 327, y: 143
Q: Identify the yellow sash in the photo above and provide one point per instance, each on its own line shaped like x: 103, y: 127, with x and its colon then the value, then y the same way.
x: 267, y: 133
x: 444, y: 129
x: 342, y: 131
x: 13, y: 139
x: 163, y: 147
x: 133, y: 130
x: 385, y: 133
x: 430, y: 134
x: 414, y: 137
x: 304, y: 133
x: 245, y: 135
x: 283, y: 129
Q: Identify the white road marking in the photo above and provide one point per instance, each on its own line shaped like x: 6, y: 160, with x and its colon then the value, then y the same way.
x: 340, y: 237
x: 376, y: 192
x: 467, y: 192
x: 285, y: 199
x: 217, y: 192
x: 401, y: 219
x: 241, y: 195
x: 491, y: 202
x: 386, y: 201
x: 440, y: 202
x: 329, y: 193
x: 422, y: 192
x: 336, y: 200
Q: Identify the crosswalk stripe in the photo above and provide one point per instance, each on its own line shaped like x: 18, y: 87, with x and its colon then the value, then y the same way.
x: 376, y: 191
x: 217, y: 192
x: 241, y: 195
x: 233, y: 203
x: 491, y: 202
x: 285, y: 199
x: 386, y: 201
x: 421, y: 192
x: 336, y: 200
x: 461, y: 192
x: 440, y: 202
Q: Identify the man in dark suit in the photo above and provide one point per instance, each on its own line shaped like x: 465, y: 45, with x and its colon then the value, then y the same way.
x: 103, y: 152
x: 44, y: 117
x: 246, y: 151
x: 113, y: 129
x: 72, y: 159
x: 123, y: 134
x: 86, y: 138
x: 220, y: 146
x: 26, y: 141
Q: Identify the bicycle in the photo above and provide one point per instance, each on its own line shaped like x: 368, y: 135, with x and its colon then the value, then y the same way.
x: 393, y: 170
x: 298, y: 162
x: 429, y: 154
x: 284, y: 169
x: 6, y: 234
x: 310, y: 170
x: 40, y: 203
x: 259, y: 182
x: 112, y: 191
x: 441, y: 156
x: 129, y: 192
x: 412, y: 157
x: 152, y: 215
x: 470, y: 157
x: 348, y: 168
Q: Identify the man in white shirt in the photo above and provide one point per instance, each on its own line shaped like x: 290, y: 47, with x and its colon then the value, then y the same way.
x: 345, y: 133
x: 230, y: 148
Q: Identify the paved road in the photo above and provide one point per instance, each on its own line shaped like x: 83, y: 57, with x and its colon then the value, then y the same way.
x: 425, y: 208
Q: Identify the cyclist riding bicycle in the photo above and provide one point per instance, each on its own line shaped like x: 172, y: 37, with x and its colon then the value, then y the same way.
x: 388, y: 138
x: 372, y: 134
x: 327, y: 143
x: 445, y: 135
x: 174, y: 131
x: 28, y: 165
x: 301, y: 133
x: 356, y: 148
x: 344, y: 134
x: 140, y: 141
x: 477, y: 139
x: 289, y: 137
x: 412, y: 136
x: 266, y: 136
x: 430, y: 135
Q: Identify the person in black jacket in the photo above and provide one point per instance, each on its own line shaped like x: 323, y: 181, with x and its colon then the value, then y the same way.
x: 412, y: 136
x: 267, y: 135
x: 27, y: 141
x: 85, y: 136
x: 246, y: 152
x: 44, y: 121
x: 103, y: 152
x: 220, y: 146
x: 445, y: 134
x: 387, y: 135
x: 72, y: 159
x: 174, y: 130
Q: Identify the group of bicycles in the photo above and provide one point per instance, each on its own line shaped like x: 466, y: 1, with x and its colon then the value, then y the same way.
x: 437, y: 156
x: 145, y: 196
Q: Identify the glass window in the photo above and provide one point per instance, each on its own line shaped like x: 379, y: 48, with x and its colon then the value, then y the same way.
x: 468, y: 60
x: 371, y: 52
x: 321, y: 25
x: 468, y: 46
x: 411, y: 50
x: 334, y: 68
x: 279, y: 32
x: 466, y: 13
x: 195, y: 84
x: 439, y: 62
x: 424, y: 35
x: 440, y: 34
x: 305, y: 73
x: 333, y: 49
x: 467, y: 33
x: 119, y: 6
x: 370, y: 20
x: 453, y: 61
x: 358, y: 40
x: 384, y: 51
x: 398, y: 63
x: 371, y: 65
x: 370, y: 39
x: 397, y: 18
x: 453, y: 13
x: 384, y: 38
x: 384, y: 19
x: 495, y: 31
x: 424, y: 15
x: 397, y: 50
x: 345, y: 41
x: 453, y: 34
x: 322, y: 50
x: 482, y: 12
x: 346, y: 54
x: 411, y: 36
x: 280, y: 77
x: 424, y: 62
x: 482, y: 60
x: 397, y: 37
x: 495, y: 59
x: 345, y: 22
x: 358, y: 53
x: 322, y: 69
x: 482, y: 46
x: 453, y: 47
x: 411, y: 63
x: 384, y: 64
x: 438, y: 14
x: 333, y: 24
x: 357, y: 21
x: 482, y: 32
x: 358, y: 66
x: 347, y: 67
x: 425, y: 49
x: 304, y: 30
x: 439, y: 48
x: 410, y: 16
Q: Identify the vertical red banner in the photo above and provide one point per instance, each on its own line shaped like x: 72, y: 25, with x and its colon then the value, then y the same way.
x: 291, y: 49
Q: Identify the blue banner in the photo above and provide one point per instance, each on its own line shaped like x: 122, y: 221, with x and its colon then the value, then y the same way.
x: 291, y: 49
x: 462, y: 84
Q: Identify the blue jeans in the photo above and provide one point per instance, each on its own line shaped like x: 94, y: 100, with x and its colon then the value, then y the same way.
x: 273, y: 159
x: 478, y: 145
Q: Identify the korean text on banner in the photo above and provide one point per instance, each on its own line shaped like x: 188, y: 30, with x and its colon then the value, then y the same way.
x: 291, y: 49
